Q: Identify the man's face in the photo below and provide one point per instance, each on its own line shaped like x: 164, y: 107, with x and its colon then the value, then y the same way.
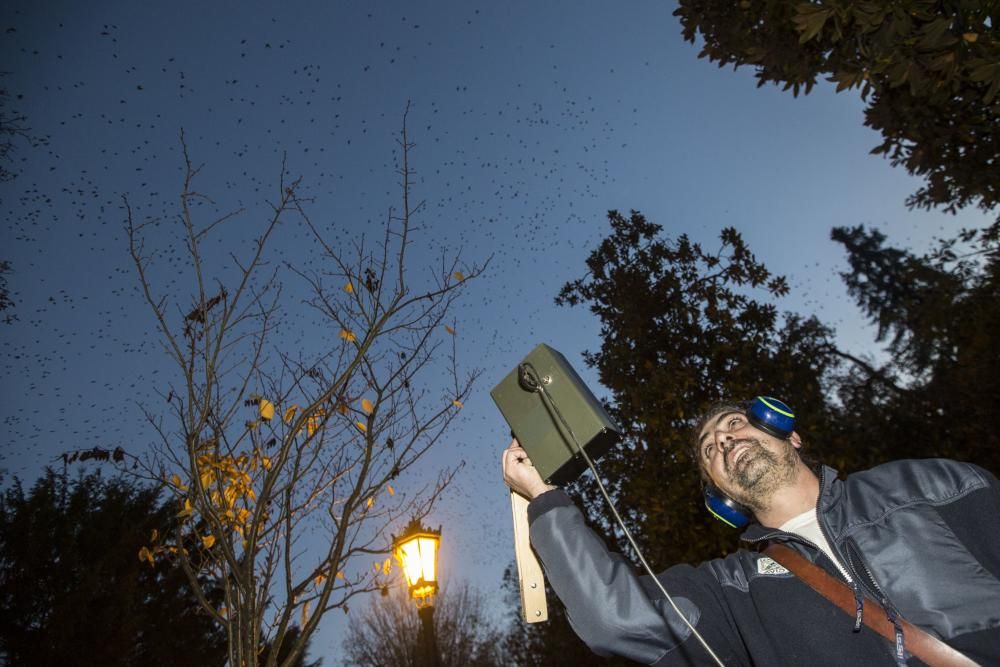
x: 747, y: 464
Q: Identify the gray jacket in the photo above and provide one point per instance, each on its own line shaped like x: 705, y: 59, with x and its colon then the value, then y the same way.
x: 921, y: 537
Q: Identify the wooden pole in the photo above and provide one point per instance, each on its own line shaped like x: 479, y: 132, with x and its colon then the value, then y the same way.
x: 530, y: 578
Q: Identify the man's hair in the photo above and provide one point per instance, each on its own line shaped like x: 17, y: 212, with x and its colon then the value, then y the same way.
x: 713, y: 411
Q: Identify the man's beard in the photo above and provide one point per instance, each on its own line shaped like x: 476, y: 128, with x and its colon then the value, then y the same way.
x: 760, y: 472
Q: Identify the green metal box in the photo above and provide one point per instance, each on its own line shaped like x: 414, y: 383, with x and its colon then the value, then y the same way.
x: 535, y: 421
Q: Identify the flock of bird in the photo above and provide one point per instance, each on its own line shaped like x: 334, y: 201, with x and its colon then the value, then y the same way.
x: 527, y: 126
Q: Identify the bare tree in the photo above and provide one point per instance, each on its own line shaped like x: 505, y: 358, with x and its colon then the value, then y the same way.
x: 13, y: 128
x: 283, y: 464
x: 385, y: 635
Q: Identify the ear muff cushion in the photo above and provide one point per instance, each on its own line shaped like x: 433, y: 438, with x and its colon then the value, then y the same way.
x: 725, y: 509
x: 771, y: 416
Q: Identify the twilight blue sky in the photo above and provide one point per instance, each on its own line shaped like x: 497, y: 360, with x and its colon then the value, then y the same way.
x: 531, y: 120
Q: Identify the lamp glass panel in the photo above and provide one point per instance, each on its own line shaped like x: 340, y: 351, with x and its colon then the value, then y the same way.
x: 428, y: 550
x: 410, y: 555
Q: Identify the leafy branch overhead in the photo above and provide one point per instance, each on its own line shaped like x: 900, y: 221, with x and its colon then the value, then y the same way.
x: 929, y: 72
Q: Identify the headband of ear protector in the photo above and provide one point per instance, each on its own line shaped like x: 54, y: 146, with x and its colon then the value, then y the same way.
x: 774, y: 418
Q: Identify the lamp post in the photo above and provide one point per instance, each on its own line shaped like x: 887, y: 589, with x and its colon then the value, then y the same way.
x: 416, y: 551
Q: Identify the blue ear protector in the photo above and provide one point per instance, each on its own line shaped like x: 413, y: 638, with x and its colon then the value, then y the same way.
x: 774, y: 418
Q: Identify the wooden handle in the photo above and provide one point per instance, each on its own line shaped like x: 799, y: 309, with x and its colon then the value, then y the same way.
x: 530, y: 578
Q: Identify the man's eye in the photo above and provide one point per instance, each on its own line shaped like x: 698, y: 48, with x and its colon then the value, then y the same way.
x: 735, y: 421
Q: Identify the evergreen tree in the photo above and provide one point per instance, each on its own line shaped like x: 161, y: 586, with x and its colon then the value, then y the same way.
x: 73, y: 591
x: 929, y: 72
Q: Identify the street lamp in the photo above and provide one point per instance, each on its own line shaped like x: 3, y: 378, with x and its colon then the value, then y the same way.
x: 416, y: 551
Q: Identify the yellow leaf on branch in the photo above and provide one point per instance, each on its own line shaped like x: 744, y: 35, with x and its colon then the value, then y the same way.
x: 305, y: 613
x: 457, y: 403
x: 392, y: 491
x: 348, y: 335
x: 459, y: 276
x: 266, y: 462
x: 371, y: 501
x: 146, y: 555
x: 386, y: 565
x: 449, y: 330
x: 175, y: 479
x: 266, y: 410
x: 320, y: 578
x: 187, y: 510
x: 290, y: 414
x: 367, y: 406
x: 349, y: 288
x: 314, y: 421
x: 340, y: 575
x: 208, y: 541
x: 361, y: 426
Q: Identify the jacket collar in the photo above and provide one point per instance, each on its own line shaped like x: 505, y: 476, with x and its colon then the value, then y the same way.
x: 830, y: 491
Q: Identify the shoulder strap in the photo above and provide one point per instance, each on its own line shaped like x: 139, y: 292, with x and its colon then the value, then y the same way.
x: 925, y: 646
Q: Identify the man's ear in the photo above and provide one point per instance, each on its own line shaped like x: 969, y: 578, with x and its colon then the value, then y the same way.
x: 795, y: 439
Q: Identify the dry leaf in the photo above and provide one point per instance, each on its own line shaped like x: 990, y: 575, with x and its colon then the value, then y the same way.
x: 459, y: 276
x: 392, y: 491
x: 349, y: 288
x: 290, y: 414
x: 146, y: 554
x: 449, y: 330
x: 208, y: 541
x: 266, y: 410
x: 187, y: 510
x: 367, y: 406
x: 457, y: 403
x: 348, y: 336
x: 361, y: 427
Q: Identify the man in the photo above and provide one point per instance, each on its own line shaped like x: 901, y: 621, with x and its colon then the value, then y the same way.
x: 920, y: 537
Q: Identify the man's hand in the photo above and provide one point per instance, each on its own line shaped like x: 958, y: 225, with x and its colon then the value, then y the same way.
x: 520, y: 475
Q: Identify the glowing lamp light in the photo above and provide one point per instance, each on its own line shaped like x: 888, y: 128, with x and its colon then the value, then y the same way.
x: 416, y: 551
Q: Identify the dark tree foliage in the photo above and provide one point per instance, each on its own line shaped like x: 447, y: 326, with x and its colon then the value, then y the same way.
x: 73, y: 591
x: 286, y: 648
x: 683, y: 326
x: 938, y: 314
x: 928, y: 70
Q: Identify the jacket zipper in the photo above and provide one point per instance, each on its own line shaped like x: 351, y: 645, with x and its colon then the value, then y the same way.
x: 874, y: 590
